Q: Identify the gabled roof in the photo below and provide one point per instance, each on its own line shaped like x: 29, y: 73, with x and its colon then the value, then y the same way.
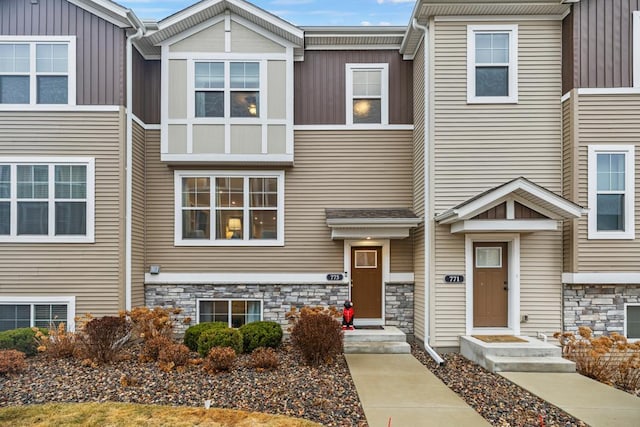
x: 207, y: 9
x: 425, y: 9
x: 361, y: 223
x: 555, y: 206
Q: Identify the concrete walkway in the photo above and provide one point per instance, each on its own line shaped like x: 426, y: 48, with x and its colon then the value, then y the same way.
x: 596, y: 404
x: 397, y: 390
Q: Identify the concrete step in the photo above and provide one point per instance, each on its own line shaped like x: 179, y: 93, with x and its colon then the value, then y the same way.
x: 531, y: 348
x: 377, y: 347
x: 388, y: 334
x: 529, y: 364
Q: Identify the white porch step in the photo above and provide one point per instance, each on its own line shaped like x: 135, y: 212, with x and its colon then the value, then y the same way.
x: 529, y: 364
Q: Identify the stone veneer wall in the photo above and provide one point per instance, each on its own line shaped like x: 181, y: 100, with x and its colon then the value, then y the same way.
x: 277, y: 300
x: 399, y: 306
x: 600, y: 307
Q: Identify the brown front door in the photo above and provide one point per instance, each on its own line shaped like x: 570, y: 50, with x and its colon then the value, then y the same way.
x: 366, y: 282
x: 490, y: 285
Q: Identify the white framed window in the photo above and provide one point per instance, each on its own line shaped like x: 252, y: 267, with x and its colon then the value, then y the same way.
x: 47, y: 200
x: 611, y: 191
x: 632, y: 322
x: 636, y: 48
x: 229, y: 208
x: 227, y: 89
x: 41, y: 312
x: 235, y: 312
x: 367, y: 94
x: 37, y: 70
x: 492, y: 64
x: 488, y: 257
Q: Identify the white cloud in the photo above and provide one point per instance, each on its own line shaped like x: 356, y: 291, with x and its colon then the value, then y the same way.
x: 365, y: 23
x: 290, y: 2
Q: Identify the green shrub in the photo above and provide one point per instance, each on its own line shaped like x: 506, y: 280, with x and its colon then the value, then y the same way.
x: 220, y: 337
x: 260, y: 334
x: 21, y: 339
x: 192, y: 333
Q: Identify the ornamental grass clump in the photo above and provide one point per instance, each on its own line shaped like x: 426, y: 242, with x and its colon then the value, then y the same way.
x: 57, y: 342
x: 609, y: 359
x: 152, y: 322
x: 316, y: 334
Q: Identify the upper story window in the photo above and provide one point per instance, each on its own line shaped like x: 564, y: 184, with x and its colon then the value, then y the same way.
x: 37, y: 71
x: 229, y: 208
x: 46, y: 200
x: 492, y: 63
x: 367, y: 87
x: 227, y: 89
x: 611, y: 192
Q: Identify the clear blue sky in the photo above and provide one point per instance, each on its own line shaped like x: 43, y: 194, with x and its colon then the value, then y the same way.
x: 299, y: 12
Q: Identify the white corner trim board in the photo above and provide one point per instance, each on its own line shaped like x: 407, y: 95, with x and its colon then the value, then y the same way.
x: 601, y: 278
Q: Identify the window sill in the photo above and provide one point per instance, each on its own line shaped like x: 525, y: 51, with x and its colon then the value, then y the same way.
x: 611, y: 235
x: 221, y: 159
x: 492, y: 100
x: 229, y: 243
x: 46, y: 239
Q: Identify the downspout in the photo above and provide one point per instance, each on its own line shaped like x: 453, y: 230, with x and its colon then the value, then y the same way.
x: 136, y: 24
x: 427, y: 195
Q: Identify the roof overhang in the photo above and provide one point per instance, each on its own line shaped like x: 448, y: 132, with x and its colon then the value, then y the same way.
x: 521, y: 190
x: 107, y: 10
x: 371, y: 223
x: 362, y: 37
x: 425, y: 9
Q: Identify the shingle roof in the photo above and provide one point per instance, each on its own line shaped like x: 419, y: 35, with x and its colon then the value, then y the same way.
x: 371, y: 213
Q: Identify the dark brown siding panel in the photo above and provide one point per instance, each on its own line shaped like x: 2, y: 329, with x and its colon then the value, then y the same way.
x: 146, y: 89
x: 320, y: 85
x: 602, y: 48
x: 100, y: 45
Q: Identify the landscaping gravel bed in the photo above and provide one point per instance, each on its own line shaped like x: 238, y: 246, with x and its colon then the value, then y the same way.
x: 498, y: 400
x: 325, y: 394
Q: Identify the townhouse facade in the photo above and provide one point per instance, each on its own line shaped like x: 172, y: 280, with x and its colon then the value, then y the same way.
x: 227, y: 162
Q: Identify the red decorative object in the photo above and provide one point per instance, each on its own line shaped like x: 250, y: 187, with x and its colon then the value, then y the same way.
x: 347, y: 316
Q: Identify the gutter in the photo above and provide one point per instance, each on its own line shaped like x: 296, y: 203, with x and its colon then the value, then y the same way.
x: 427, y: 195
x: 136, y: 24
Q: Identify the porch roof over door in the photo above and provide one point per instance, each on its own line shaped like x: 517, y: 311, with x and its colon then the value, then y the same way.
x: 519, y: 205
x: 371, y: 223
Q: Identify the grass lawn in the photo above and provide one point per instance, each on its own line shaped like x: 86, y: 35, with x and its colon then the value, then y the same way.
x: 125, y: 414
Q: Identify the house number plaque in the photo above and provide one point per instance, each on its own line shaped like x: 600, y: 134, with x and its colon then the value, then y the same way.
x: 334, y: 277
x: 454, y: 278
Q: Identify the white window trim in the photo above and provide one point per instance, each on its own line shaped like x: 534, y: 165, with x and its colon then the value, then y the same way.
x: 89, y: 162
x: 70, y: 301
x: 384, y: 93
x: 636, y: 49
x: 625, y: 321
x: 629, y: 152
x: 179, y: 241
x: 512, y: 30
x: 71, y: 72
x: 228, y: 301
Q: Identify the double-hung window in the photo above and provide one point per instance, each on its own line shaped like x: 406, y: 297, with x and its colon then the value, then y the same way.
x: 46, y: 200
x: 632, y: 321
x: 367, y: 94
x: 492, y: 63
x: 226, y: 89
x: 234, y: 312
x: 611, y: 191
x: 229, y: 208
x: 38, y: 70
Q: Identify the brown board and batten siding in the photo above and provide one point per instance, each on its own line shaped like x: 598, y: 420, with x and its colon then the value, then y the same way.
x: 477, y: 147
x: 599, y: 44
x: 146, y: 88
x: 138, y: 213
x: 319, y: 93
x: 603, y: 120
x: 346, y: 169
x: 100, y: 45
x: 418, y: 191
x: 92, y: 272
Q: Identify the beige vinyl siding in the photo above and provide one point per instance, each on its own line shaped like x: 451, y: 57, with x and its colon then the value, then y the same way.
x: 210, y: 39
x: 607, y: 119
x: 401, y: 256
x: 138, y: 210
x: 418, y: 191
x: 347, y: 169
x: 94, y: 273
x: 244, y: 40
x: 540, y: 282
x: 568, y: 185
x: 477, y: 147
